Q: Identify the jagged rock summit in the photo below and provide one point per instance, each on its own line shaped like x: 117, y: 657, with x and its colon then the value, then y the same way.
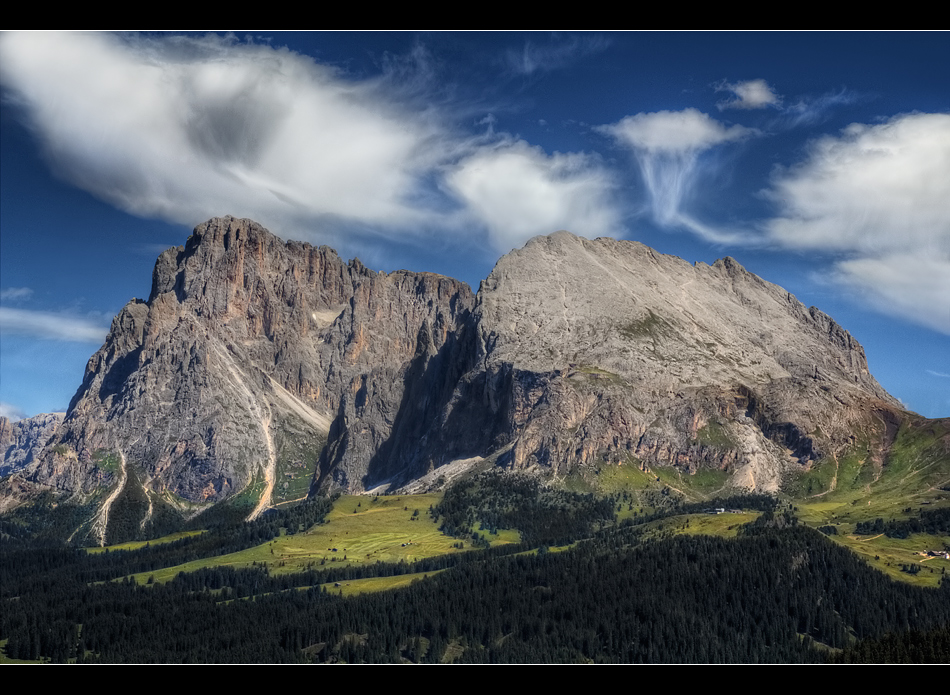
x: 267, y: 369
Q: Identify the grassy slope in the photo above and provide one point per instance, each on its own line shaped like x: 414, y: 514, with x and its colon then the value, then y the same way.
x: 650, y: 490
x: 354, y: 587
x: 856, y: 487
x: 135, y: 545
x: 843, y: 491
x: 362, y: 530
x: 850, y: 489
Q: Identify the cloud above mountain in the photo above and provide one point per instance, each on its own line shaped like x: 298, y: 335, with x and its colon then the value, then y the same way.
x: 52, y: 325
x: 673, y: 132
x: 519, y: 192
x: 667, y: 146
x: 183, y: 128
x: 876, y: 197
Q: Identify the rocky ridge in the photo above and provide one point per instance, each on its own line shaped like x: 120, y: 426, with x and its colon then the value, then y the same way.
x: 245, y: 354
x: 255, y: 360
x: 617, y: 351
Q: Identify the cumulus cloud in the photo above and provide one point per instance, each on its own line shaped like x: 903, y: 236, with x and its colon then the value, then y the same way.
x: 752, y: 94
x: 518, y: 191
x: 667, y: 146
x: 673, y: 132
x: 913, y: 286
x: 881, y: 187
x: 877, y: 195
x: 41, y: 324
x: 184, y: 128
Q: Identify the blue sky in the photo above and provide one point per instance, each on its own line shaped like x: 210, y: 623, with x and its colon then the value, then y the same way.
x: 820, y: 161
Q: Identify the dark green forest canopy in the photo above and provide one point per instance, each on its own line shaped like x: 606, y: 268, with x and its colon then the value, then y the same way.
x: 770, y: 595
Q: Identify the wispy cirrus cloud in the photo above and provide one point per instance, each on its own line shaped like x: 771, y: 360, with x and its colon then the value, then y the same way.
x: 811, y: 110
x: 876, y: 197
x: 667, y: 146
x: 15, y: 294
x: 51, y: 325
x: 557, y: 52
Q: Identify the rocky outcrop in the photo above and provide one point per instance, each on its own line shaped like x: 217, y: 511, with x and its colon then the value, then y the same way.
x: 246, y: 352
x: 20, y: 440
x: 255, y: 359
x: 607, y: 350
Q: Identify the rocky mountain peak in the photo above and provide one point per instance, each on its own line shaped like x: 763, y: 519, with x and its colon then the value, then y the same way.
x: 636, y: 352
x: 268, y: 368
x: 621, y: 306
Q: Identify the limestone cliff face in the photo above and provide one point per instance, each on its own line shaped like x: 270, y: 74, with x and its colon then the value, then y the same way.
x: 607, y: 350
x: 244, y: 355
x: 256, y: 362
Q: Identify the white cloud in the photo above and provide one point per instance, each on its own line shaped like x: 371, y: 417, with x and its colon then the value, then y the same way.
x: 517, y: 192
x: 877, y: 194
x: 874, y: 188
x: 679, y: 132
x: 11, y: 412
x: 667, y: 145
x: 752, y: 94
x: 41, y: 324
x: 913, y: 286
x: 186, y: 128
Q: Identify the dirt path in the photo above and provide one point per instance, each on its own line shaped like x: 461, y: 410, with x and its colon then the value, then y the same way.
x: 658, y: 480
x: 102, y: 520
x: 864, y: 540
x: 299, y: 499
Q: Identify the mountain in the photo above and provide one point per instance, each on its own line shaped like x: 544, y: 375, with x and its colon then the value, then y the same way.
x: 617, y: 351
x: 18, y: 442
x: 260, y: 369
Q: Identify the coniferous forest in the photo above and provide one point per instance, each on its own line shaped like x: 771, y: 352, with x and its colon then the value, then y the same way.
x: 780, y: 592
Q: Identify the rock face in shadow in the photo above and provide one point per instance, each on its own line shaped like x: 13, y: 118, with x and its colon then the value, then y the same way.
x: 252, y: 356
